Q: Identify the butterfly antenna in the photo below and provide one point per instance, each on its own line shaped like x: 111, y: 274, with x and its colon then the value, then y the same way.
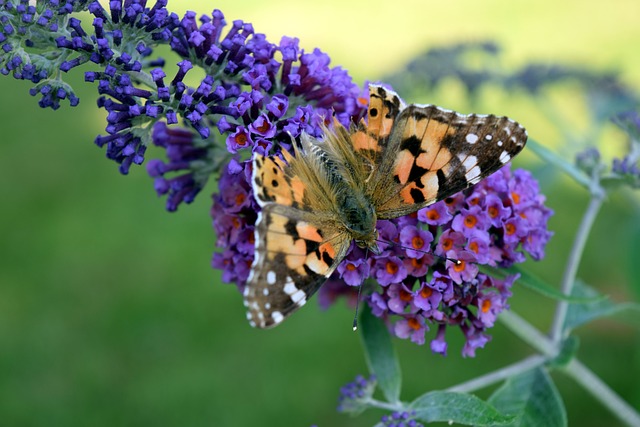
x: 355, y: 317
x: 453, y: 260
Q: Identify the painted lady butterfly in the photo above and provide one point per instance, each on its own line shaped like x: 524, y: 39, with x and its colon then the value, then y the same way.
x: 314, y: 204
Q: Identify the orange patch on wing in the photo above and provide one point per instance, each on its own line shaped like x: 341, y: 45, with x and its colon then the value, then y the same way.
x: 361, y: 141
x: 403, y: 165
x: 317, y: 264
x: 429, y: 188
x: 415, y: 128
x: 379, y: 124
x: 435, y: 158
x: 434, y: 134
x: 308, y: 232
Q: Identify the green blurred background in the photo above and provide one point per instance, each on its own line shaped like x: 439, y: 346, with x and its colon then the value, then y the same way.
x: 111, y: 315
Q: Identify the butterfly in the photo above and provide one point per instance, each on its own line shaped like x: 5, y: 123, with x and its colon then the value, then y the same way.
x: 331, y: 192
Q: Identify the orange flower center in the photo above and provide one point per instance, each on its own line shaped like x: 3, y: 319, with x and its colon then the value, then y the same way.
x: 510, y: 228
x: 447, y: 244
x: 405, y: 296
x: 516, y: 197
x: 486, y: 305
x: 459, y: 267
x: 391, y: 268
x: 416, y: 262
x: 470, y: 221
x: 474, y: 247
x: 433, y: 215
x: 252, y: 238
x: 426, y: 292
x: 264, y: 128
x: 240, y: 198
x: 417, y: 242
x: 413, y: 323
x: 241, y: 139
x: 350, y: 266
x: 236, y: 222
x: 493, y: 211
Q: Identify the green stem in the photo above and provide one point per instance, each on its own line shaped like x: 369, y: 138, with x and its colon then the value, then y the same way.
x: 527, y: 333
x: 557, y: 332
x: 499, y: 375
x: 598, y: 389
x: 393, y: 407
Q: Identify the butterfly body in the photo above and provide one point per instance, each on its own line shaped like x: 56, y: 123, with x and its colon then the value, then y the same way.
x: 332, y: 192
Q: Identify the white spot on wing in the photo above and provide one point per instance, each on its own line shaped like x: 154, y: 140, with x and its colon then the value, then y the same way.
x: 472, y: 138
x: 265, y: 291
x: 297, y: 295
x: 488, y: 137
x: 271, y: 277
x: 277, y: 317
x: 471, y: 165
x: 505, y: 157
x: 500, y: 143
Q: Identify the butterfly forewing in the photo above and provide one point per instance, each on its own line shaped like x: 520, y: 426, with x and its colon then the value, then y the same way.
x: 433, y: 153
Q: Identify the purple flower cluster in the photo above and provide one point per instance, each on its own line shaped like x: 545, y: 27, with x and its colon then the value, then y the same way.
x: 353, y: 396
x: 628, y: 167
x: 400, y: 419
x: 19, y: 27
x: 624, y: 169
x: 234, y: 214
x: 494, y: 223
x: 256, y: 102
x: 263, y: 94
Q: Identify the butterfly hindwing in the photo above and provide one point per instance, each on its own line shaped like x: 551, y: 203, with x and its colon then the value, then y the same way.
x: 293, y: 258
x: 433, y: 153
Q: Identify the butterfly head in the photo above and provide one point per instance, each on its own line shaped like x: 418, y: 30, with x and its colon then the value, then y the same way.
x: 370, y: 243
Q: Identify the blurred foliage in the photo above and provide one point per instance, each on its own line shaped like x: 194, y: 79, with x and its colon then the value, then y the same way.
x: 110, y: 315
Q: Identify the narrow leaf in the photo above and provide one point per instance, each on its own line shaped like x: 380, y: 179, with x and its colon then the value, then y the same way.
x: 380, y: 355
x: 533, y: 398
x: 595, y: 308
x: 460, y: 408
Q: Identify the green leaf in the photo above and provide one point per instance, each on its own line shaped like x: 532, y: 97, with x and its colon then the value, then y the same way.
x: 547, y: 155
x: 458, y: 408
x: 579, y: 314
x: 380, y: 355
x: 533, y: 282
x: 533, y: 398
